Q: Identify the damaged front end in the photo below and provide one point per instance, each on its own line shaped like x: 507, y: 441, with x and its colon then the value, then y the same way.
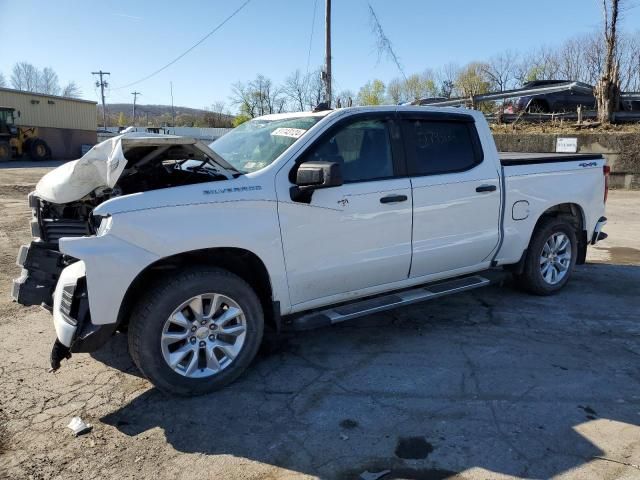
x: 62, y: 207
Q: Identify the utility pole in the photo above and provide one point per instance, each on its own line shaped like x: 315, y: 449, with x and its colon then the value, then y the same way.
x: 135, y: 97
x: 102, y: 83
x: 173, y: 112
x: 327, y: 52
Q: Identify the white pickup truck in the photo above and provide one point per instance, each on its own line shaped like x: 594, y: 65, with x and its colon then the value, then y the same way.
x: 292, y: 221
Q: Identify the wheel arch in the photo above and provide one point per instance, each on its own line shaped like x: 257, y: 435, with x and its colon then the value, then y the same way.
x: 541, y: 102
x: 243, y: 263
x: 574, y: 213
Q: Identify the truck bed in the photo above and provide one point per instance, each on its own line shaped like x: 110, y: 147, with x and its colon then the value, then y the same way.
x: 517, y: 158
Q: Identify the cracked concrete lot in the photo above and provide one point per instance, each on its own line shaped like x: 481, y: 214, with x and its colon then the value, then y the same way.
x: 487, y: 384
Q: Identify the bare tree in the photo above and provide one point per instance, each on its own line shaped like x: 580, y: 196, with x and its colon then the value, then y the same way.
x: 295, y: 90
x: 501, y: 69
x: 395, y: 91
x: 607, y: 90
x: 315, y: 89
x: 71, y: 90
x: 446, y: 79
x: 217, y: 115
x: 241, y: 95
x: 48, y: 82
x: 25, y: 76
x: 593, y: 53
x: 629, y: 59
x: 345, y: 98
x: 3, y: 82
x: 258, y: 97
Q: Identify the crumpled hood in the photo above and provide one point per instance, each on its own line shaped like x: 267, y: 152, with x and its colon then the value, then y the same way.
x: 99, y: 167
x: 104, y: 163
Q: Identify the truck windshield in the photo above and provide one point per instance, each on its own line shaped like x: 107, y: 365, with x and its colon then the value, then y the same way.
x: 257, y: 143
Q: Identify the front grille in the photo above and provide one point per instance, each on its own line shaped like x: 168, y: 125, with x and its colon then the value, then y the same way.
x: 54, y: 230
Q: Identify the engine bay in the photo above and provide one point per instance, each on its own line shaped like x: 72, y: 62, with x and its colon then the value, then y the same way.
x: 148, y: 167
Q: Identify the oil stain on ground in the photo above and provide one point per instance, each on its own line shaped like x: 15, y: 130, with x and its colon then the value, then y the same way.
x: 415, y: 448
x: 348, y: 424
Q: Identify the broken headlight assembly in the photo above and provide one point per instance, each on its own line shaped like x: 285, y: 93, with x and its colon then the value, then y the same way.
x: 101, y: 224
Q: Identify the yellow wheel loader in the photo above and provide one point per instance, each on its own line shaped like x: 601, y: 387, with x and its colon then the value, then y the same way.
x: 17, y: 141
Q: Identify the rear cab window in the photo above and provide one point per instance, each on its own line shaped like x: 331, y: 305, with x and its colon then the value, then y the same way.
x: 435, y: 146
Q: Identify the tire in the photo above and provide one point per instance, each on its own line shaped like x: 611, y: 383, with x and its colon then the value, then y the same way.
x: 39, y: 150
x: 5, y: 152
x: 532, y: 279
x: 538, y: 106
x: 155, y: 318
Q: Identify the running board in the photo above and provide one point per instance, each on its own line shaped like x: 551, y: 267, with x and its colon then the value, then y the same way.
x: 330, y: 316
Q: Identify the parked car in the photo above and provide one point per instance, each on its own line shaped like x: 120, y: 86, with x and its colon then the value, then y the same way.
x: 567, y: 101
x: 293, y: 221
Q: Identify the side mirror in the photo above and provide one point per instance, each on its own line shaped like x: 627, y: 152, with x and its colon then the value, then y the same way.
x: 314, y: 175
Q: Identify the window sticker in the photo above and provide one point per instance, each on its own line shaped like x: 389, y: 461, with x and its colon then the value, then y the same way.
x: 288, y: 132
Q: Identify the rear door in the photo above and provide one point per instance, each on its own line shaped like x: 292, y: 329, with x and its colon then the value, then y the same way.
x: 456, y: 194
x: 357, y: 235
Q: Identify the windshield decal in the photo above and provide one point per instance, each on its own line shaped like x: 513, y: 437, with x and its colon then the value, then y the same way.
x: 288, y: 132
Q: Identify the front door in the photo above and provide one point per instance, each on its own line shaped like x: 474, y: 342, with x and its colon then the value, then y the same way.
x: 357, y: 235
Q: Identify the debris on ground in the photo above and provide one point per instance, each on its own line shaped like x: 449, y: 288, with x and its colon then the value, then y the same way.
x: 367, y: 475
x: 78, y: 427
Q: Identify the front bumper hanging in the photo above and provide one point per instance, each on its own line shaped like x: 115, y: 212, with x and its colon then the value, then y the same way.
x: 41, y: 267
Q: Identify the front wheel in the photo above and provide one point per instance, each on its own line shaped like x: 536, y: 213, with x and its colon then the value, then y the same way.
x: 196, y: 332
x: 39, y: 150
x: 550, y: 259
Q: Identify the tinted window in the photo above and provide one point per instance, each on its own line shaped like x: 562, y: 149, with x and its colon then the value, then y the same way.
x: 363, y: 148
x: 439, y: 147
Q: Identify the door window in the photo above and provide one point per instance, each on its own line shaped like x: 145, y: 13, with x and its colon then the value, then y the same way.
x: 437, y: 147
x: 363, y: 148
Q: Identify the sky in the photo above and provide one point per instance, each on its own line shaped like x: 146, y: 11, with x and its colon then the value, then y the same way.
x: 132, y: 39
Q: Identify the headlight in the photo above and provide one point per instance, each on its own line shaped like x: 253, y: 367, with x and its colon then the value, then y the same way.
x: 104, y: 226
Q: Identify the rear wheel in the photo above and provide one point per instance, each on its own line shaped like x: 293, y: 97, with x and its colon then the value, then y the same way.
x: 538, y: 106
x: 551, y: 257
x: 5, y: 151
x: 196, y: 332
x: 38, y: 149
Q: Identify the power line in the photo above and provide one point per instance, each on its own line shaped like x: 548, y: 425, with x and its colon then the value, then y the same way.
x: 188, y: 50
x: 313, y: 23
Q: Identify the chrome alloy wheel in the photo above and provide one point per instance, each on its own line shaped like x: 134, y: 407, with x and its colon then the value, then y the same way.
x: 555, y: 258
x: 204, y: 335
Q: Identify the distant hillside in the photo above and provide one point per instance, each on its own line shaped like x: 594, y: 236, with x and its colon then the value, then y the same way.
x: 160, y: 115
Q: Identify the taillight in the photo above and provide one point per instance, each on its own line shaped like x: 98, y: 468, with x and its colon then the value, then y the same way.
x: 606, y: 170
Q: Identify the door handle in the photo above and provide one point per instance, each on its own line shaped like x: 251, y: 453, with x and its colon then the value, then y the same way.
x: 486, y: 188
x: 393, y: 199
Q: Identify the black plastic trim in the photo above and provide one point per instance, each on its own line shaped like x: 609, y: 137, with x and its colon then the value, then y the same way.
x: 561, y: 157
